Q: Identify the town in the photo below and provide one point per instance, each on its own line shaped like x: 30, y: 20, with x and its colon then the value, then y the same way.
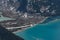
x: 14, y: 15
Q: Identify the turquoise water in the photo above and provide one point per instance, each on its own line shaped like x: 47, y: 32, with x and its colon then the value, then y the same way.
x: 5, y: 18
x: 48, y: 31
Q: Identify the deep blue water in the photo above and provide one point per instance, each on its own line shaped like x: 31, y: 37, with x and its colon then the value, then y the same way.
x: 6, y: 35
x: 48, y: 31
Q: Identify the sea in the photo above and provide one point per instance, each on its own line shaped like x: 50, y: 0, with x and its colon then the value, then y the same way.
x: 47, y: 31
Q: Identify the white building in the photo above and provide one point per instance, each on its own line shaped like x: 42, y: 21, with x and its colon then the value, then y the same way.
x: 25, y: 15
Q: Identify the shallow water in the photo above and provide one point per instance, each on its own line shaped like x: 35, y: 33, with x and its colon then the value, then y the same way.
x: 49, y: 31
x: 5, y: 18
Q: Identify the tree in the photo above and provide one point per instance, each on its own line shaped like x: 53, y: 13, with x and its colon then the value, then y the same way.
x: 44, y: 7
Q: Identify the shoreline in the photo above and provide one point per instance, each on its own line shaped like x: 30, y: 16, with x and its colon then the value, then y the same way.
x: 23, y: 29
x: 51, y: 19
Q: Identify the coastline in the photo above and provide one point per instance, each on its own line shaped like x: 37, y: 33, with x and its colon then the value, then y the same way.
x: 42, y: 31
x: 30, y: 26
x: 51, y: 19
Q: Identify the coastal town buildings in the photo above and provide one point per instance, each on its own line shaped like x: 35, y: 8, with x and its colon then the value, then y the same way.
x: 26, y: 12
